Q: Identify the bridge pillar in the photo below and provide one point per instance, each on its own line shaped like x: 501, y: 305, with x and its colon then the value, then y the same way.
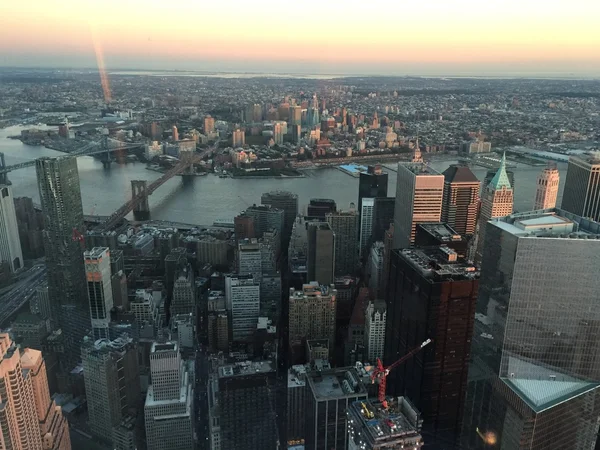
x: 139, y: 188
x: 187, y: 156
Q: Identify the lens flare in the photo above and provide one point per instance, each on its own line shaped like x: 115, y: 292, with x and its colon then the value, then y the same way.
x: 101, y: 67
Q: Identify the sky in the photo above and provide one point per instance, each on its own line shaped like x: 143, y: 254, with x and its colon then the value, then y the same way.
x: 387, y: 37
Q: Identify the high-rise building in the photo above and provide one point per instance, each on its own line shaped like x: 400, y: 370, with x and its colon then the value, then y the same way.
x: 388, y: 245
x: 329, y: 394
x: 497, y: 201
x: 461, y: 199
x: 344, y: 225
x: 245, y: 418
x: 278, y: 132
x: 372, y: 184
x: 266, y: 218
x: 492, y: 173
x: 312, y: 313
x: 436, y: 234
x: 184, y: 296
x: 375, y: 267
x: 112, y: 382
x: 270, y: 250
x: 249, y: 258
x: 29, y: 419
x: 286, y: 201
x: 431, y: 295
x: 242, y: 294
x: 99, y: 287
x: 270, y: 295
x: 419, y: 198
x: 366, y: 225
x: 535, y: 372
x: 218, y: 331
x: 239, y: 138
x: 547, y: 188
x: 10, y: 245
x: 243, y: 226
x: 169, y: 407
x: 296, y: 399
x: 320, y: 207
x: 375, y: 317
x: 321, y: 253
x: 581, y: 195
x: 60, y: 196
x: 175, y: 133
x: 383, y: 216
x: 209, y: 125
x: 295, y: 115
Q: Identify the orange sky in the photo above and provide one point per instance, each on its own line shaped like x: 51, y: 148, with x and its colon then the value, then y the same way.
x: 558, y: 34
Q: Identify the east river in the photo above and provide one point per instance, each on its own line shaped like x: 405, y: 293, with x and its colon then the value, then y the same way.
x: 209, y: 198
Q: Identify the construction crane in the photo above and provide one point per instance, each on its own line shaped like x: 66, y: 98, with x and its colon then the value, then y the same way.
x: 380, y: 373
x: 77, y: 236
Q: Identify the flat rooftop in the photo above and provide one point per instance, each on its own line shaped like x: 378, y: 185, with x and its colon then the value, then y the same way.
x: 246, y: 368
x: 442, y: 231
x: 439, y: 263
x: 418, y: 168
x: 336, y: 383
x: 549, y: 223
x: 592, y: 158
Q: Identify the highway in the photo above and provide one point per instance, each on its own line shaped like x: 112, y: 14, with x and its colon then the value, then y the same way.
x: 20, y: 293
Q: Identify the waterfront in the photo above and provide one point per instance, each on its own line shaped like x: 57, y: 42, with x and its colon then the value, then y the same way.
x: 203, y: 200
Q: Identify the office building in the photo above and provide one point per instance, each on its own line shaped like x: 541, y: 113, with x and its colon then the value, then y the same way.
x: 270, y: 295
x: 278, y: 132
x: 218, y: 331
x: 436, y: 234
x: 581, y: 195
x: 270, y: 250
x: 209, y: 125
x: 375, y: 317
x: 245, y: 395
x: 242, y: 295
x: 266, y: 218
x: 366, y: 225
x: 60, y: 196
x: 419, y: 198
x: 312, y: 313
x: 461, y: 199
x: 535, y: 372
x: 29, y: 419
x: 295, y: 115
x: 169, y: 407
x: 249, y: 258
x: 329, y: 394
x: 372, y: 427
x: 383, y: 216
x: 547, y: 188
x: 296, y: 400
x: 39, y: 304
x: 375, y: 267
x: 100, y: 294
x: 372, y: 184
x: 239, y: 138
x: 432, y: 295
x: 317, y: 350
x: 286, y: 201
x: 388, y: 245
x: 344, y: 225
x: 184, y: 295
x: 492, y: 173
x: 29, y: 330
x: 10, y: 245
x: 243, y: 227
x: 318, y: 208
x: 497, y: 201
x: 112, y: 382
x: 321, y: 253
x: 212, y: 250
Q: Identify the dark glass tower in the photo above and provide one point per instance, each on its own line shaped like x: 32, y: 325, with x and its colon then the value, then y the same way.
x: 582, y: 186
x: 60, y: 195
x: 372, y: 184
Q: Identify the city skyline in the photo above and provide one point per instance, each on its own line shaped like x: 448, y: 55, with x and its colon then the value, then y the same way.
x: 497, y: 39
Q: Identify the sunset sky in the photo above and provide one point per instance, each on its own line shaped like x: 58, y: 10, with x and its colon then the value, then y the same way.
x: 444, y: 37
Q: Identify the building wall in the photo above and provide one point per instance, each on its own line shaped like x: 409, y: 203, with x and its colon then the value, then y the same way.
x: 460, y: 207
x: 366, y: 224
x: 312, y: 314
x: 10, y: 245
x: 321, y: 253
x: 581, y: 195
x: 344, y: 225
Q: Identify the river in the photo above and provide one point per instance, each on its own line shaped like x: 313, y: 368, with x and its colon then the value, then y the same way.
x: 206, y: 199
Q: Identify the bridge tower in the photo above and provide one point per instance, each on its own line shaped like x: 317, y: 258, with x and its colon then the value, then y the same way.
x: 139, y: 188
x: 106, y: 158
x: 186, y: 156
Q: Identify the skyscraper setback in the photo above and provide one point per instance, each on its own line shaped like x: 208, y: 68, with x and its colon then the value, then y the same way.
x: 60, y: 195
x: 582, y: 186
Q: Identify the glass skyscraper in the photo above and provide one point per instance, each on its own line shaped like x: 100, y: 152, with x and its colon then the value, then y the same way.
x: 535, y: 372
x: 60, y: 195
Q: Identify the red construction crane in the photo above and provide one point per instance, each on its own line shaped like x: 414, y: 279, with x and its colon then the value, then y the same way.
x: 77, y: 236
x: 380, y: 373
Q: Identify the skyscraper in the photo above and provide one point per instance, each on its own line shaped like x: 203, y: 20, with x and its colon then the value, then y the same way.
x: 419, y: 198
x: 375, y: 317
x: 383, y: 216
x: 209, y: 125
x: 431, y: 295
x: 10, y: 245
x: 547, y: 188
x: 175, y: 133
x: 582, y: 186
x: 344, y: 225
x: 112, y: 385
x: 60, y: 195
x: 99, y: 287
x: 242, y: 294
x: 497, y: 201
x: 250, y: 258
x: 278, y: 132
x: 286, y: 201
x: 238, y: 138
x: 535, y: 372
x: 366, y: 225
x: 321, y: 253
x: 266, y: 218
x: 184, y: 298
x: 169, y: 407
x: 372, y: 184
x: 320, y: 207
x: 312, y: 313
x: 29, y: 419
x: 461, y: 199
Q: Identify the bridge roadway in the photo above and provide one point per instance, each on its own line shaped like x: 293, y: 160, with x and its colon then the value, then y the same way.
x: 87, y: 150
x: 180, y: 167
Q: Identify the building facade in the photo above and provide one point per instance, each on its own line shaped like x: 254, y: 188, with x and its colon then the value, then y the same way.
x: 581, y: 195
x: 320, y: 263
x: 372, y: 184
x: 547, y: 188
x: 461, y: 199
x: 183, y: 300
x: 375, y: 317
x: 286, y: 201
x: 242, y: 294
x: 366, y: 225
x: 344, y: 225
x: 312, y: 313
x: 99, y: 288
x: 10, y: 245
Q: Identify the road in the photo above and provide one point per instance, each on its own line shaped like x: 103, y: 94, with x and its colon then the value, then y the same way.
x: 21, y: 292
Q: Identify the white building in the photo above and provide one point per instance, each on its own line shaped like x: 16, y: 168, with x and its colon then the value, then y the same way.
x: 99, y: 286
x: 375, y: 317
x: 366, y: 224
x: 152, y: 150
x: 242, y: 294
x: 169, y: 412
x: 10, y: 246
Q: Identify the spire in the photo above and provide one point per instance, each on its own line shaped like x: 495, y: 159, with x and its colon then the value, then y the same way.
x: 501, y: 180
x: 416, y: 155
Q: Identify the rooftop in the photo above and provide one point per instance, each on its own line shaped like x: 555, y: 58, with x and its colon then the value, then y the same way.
x: 336, y: 383
x: 440, y: 263
x: 418, y: 168
x: 246, y: 368
x: 459, y: 174
x: 441, y: 231
x: 549, y: 223
x: 501, y: 179
x: 311, y: 290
